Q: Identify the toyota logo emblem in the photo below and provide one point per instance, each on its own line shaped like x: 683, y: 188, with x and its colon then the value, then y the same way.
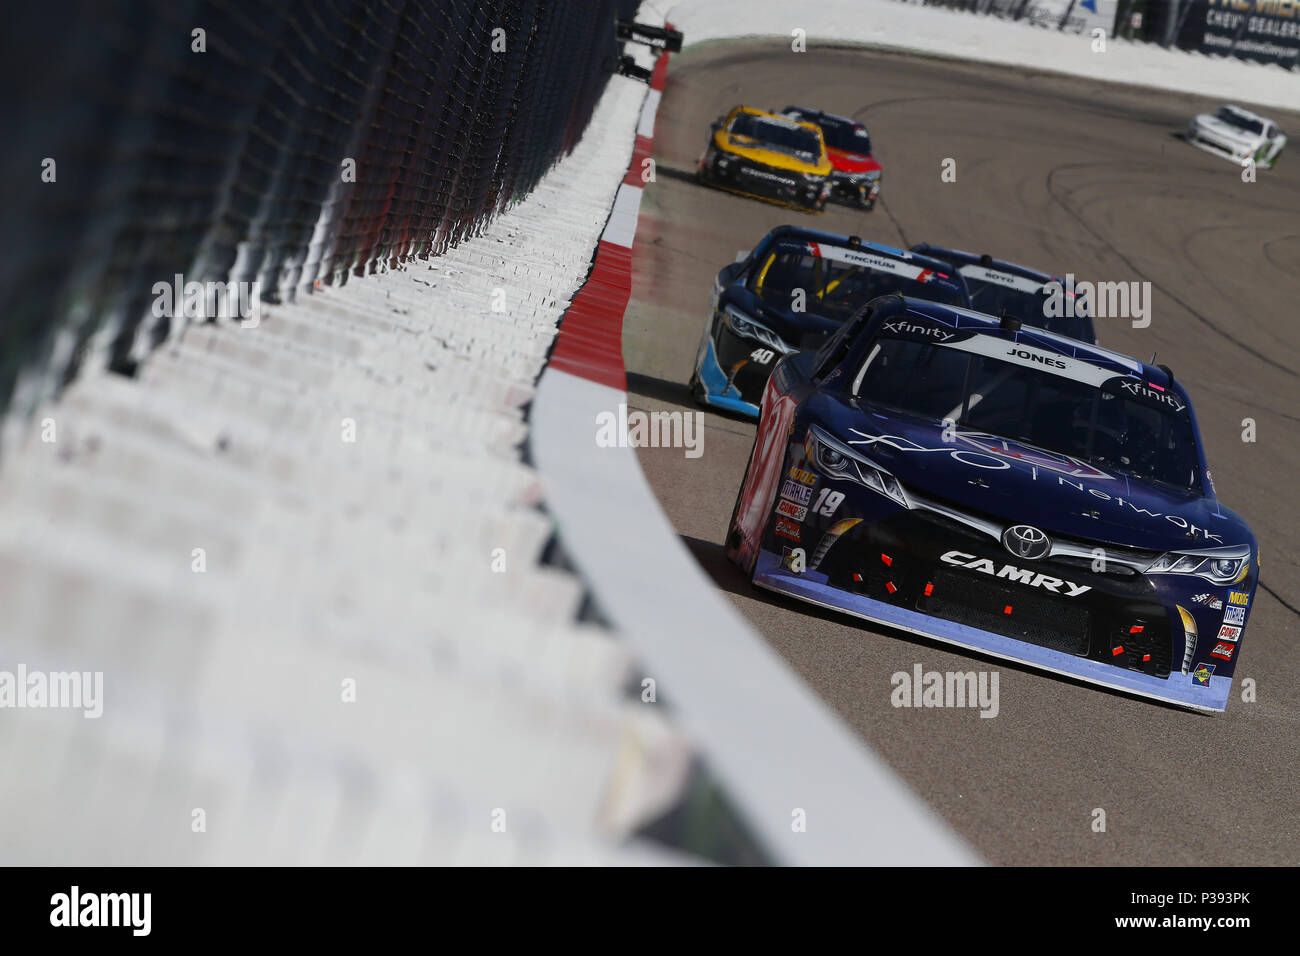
x: 1026, y: 541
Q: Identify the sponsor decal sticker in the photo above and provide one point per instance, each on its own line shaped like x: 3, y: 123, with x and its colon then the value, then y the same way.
x: 898, y: 267
x: 903, y: 327
x: 1007, y: 279
x: 1223, y: 651
x: 801, y: 476
x: 791, y: 510
x: 799, y: 494
x: 1209, y: 600
x: 1235, y: 615
x: 1020, y: 575
x: 1029, y: 355
x: 1239, y: 598
x: 1201, y: 675
x: 1228, y: 633
x: 787, y: 529
x: 1152, y: 392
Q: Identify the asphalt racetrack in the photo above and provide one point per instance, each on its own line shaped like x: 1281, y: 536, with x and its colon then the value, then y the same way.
x: 1068, y: 176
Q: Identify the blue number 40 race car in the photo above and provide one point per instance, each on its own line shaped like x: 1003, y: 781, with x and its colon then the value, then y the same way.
x: 792, y: 292
x: 1004, y: 489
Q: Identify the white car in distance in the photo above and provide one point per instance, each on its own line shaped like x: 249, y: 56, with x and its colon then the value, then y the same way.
x: 1237, y: 134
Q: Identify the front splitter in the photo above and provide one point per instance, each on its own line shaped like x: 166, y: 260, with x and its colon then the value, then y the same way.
x: 812, y: 587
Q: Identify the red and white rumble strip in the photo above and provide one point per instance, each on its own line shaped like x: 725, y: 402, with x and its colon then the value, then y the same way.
x: 776, y: 748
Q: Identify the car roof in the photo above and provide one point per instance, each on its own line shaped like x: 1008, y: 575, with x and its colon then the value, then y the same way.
x: 960, y: 257
x: 755, y: 111
x: 969, y: 320
x: 1247, y: 113
x: 799, y: 233
x: 822, y: 113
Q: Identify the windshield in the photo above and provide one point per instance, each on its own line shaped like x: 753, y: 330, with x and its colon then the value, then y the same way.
x: 1111, y: 425
x: 849, y: 137
x: 1030, y: 307
x: 836, y: 290
x: 1233, y: 118
x: 774, y: 133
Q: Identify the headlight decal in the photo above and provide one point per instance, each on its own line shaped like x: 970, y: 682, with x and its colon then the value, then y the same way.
x: 835, y: 459
x: 749, y: 328
x: 1222, y: 566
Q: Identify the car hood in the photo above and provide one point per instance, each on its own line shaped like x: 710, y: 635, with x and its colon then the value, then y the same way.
x: 851, y: 162
x: 1019, y: 483
x: 754, y: 151
x: 1218, y: 127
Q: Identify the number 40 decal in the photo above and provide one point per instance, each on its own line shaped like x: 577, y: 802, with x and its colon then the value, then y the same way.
x: 827, y: 502
x: 762, y: 356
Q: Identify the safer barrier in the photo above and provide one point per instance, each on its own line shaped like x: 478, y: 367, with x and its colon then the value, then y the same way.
x: 275, y: 145
x: 1264, y: 31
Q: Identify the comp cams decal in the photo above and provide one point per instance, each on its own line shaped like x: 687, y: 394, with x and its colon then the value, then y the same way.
x: 791, y: 510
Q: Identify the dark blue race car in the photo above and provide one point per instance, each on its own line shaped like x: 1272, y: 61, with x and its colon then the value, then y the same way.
x: 1004, y: 489
x: 792, y: 292
x: 1035, y: 298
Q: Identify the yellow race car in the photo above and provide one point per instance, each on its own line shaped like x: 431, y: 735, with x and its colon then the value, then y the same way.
x: 767, y: 156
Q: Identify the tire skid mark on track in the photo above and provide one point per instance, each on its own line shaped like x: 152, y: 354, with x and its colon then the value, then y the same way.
x: 1155, y: 284
x: 1283, y: 267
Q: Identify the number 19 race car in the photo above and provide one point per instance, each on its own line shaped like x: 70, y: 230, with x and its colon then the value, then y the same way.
x: 768, y: 157
x: 791, y: 292
x: 1003, y: 489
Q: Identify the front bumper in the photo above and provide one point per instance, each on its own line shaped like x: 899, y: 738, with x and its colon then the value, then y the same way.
x: 753, y: 179
x: 1237, y: 152
x: 854, y: 190
x: 814, y: 588
x: 716, y: 386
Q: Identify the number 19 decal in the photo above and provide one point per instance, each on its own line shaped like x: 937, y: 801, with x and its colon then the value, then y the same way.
x: 827, y: 502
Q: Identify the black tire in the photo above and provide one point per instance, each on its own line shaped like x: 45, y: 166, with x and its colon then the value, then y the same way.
x: 697, y: 389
